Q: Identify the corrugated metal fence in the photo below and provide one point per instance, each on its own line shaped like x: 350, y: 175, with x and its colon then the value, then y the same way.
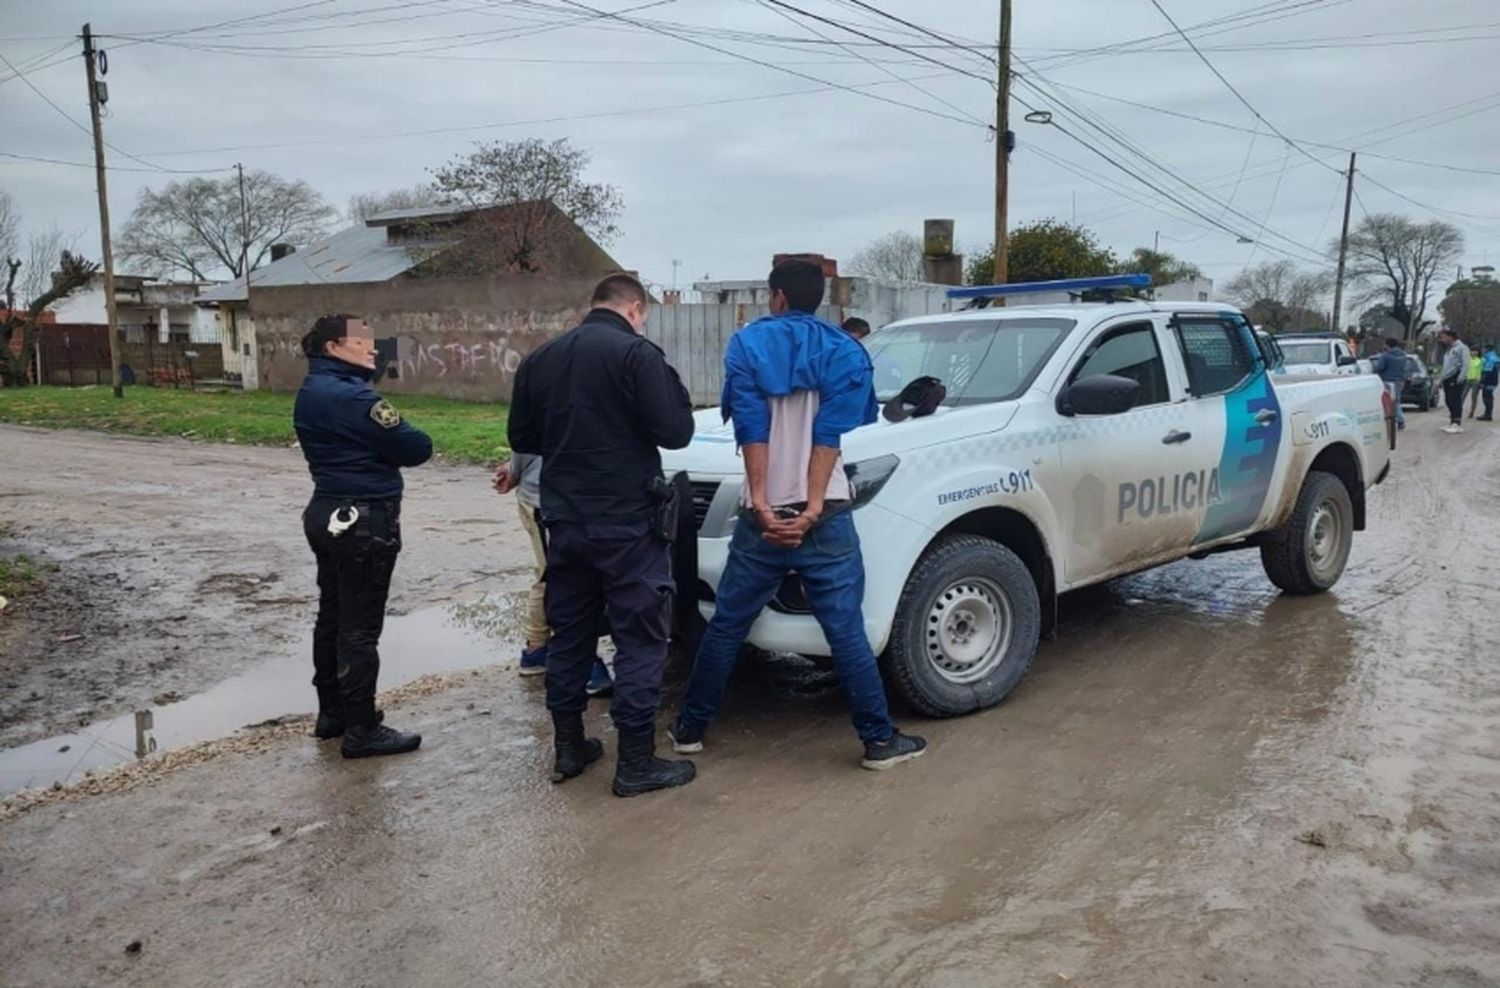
x: 694, y: 337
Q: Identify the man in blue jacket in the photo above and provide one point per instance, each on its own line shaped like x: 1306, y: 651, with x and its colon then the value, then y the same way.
x: 1393, y: 369
x: 794, y: 385
x: 355, y: 444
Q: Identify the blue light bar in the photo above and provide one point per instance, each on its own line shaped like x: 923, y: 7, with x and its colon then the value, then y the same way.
x: 1070, y: 285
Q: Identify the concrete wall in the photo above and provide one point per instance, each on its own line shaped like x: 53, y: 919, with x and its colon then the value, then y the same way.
x: 455, y: 337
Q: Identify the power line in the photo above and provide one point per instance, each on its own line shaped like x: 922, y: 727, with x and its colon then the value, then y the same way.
x: 770, y: 65
x: 568, y: 118
x: 1225, y: 125
x: 776, y: 5
x: 1107, y: 132
x: 154, y: 170
x: 1231, y: 87
x: 70, y: 119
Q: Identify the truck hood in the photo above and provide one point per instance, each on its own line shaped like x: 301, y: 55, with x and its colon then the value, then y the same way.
x: 713, y: 451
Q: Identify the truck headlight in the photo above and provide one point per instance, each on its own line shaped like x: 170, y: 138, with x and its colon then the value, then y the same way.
x: 867, y: 477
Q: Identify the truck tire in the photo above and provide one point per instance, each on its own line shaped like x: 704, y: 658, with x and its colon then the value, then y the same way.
x: 966, y: 627
x: 1312, y: 549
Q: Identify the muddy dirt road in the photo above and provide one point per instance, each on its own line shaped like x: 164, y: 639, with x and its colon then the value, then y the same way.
x: 1198, y: 783
x: 181, y: 564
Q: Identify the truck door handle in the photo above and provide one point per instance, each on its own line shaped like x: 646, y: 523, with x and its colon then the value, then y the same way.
x: 1176, y: 436
x: 1266, y: 416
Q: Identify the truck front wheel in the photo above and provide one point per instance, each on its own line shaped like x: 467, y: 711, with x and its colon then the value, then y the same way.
x: 1311, y: 550
x: 966, y: 627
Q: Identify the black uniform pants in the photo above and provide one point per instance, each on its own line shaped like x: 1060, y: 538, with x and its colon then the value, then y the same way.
x: 624, y: 570
x: 1453, y: 396
x: 354, y: 580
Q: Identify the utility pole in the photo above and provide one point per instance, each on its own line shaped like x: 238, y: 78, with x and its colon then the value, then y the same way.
x: 1002, y: 152
x: 97, y: 96
x: 1338, y: 280
x: 244, y: 235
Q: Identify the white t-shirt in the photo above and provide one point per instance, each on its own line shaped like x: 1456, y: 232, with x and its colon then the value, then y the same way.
x: 791, y: 451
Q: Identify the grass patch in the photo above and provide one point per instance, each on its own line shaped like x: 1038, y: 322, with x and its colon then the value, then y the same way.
x: 463, y: 432
x: 16, y: 576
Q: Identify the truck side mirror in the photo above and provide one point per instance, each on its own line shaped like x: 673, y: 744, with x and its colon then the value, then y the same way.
x: 1347, y: 361
x: 1098, y: 394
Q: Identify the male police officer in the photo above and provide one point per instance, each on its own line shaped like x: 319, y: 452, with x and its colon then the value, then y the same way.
x: 597, y: 403
x: 355, y: 444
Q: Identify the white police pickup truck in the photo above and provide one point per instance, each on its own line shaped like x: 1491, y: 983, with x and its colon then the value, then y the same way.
x: 1077, y: 443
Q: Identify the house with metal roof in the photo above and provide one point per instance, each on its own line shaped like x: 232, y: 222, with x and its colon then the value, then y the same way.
x: 437, y: 241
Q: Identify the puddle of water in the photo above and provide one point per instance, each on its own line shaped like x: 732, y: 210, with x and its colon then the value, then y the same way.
x: 433, y: 640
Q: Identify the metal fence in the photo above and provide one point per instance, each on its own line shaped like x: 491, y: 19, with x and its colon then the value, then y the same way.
x: 694, y: 337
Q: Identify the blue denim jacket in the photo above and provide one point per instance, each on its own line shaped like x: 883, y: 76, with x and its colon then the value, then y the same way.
x: 796, y: 351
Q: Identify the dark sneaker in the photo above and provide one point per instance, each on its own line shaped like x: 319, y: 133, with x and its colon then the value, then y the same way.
x: 685, y: 740
x: 899, y: 748
x: 599, y: 682
x: 377, y: 740
x: 575, y: 756
x: 639, y: 771
x: 533, y: 662
x: 330, y: 726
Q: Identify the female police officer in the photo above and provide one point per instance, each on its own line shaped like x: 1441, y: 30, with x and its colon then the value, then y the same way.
x: 355, y: 444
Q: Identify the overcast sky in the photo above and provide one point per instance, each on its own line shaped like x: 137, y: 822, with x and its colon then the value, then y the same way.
x: 317, y: 93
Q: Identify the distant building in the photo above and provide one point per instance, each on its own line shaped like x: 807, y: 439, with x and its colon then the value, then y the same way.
x: 878, y: 301
x: 385, y: 248
x: 146, y: 309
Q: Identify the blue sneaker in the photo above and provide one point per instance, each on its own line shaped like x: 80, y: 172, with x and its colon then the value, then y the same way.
x: 599, y: 682
x: 533, y: 662
x: 685, y: 740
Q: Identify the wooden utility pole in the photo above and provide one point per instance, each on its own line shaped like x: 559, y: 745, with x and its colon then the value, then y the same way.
x: 1338, y: 279
x: 96, y: 91
x: 244, y: 235
x: 1002, y: 152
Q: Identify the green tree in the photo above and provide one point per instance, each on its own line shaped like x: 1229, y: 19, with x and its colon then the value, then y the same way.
x: 1164, y: 268
x: 1471, y: 308
x: 1045, y: 251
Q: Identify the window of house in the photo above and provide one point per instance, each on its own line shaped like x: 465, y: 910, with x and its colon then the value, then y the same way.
x: 1129, y: 351
x: 1216, y: 355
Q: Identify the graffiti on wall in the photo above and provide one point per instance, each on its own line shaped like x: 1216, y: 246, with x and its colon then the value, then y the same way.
x: 418, y: 361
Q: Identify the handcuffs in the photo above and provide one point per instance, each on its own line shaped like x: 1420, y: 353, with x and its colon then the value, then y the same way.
x: 338, y: 524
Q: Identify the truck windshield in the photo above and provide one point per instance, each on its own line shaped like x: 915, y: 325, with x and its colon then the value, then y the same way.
x: 978, y: 361
x: 1306, y: 353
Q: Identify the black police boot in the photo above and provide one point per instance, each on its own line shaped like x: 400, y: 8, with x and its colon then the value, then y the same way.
x: 375, y: 739
x: 639, y: 771
x: 575, y: 751
x: 331, y: 722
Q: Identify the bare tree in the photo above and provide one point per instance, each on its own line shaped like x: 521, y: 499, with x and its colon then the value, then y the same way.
x: 1280, y: 296
x: 1395, y: 261
x: 897, y: 256
x: 367, y: 204
x: 42, y: 251
x: 73, y: 272
x: 548, y: 201
x: 195, y: 227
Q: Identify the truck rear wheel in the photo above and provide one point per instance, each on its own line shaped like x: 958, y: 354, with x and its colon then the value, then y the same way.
x: 1312, y: 549
x: 966, y: 627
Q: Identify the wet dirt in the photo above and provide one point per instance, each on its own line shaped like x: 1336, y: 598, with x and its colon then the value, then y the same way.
x: 1199, y: 782
x: 182, y: 565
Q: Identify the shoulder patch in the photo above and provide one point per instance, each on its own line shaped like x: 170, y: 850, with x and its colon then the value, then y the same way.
x: 385, y: 414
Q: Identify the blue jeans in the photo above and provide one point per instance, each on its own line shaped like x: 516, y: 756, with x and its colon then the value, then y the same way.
x: 833, y: 571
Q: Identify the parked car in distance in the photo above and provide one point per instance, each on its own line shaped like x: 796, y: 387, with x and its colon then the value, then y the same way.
x: 1420, y: 389
x: 1318, y: 353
